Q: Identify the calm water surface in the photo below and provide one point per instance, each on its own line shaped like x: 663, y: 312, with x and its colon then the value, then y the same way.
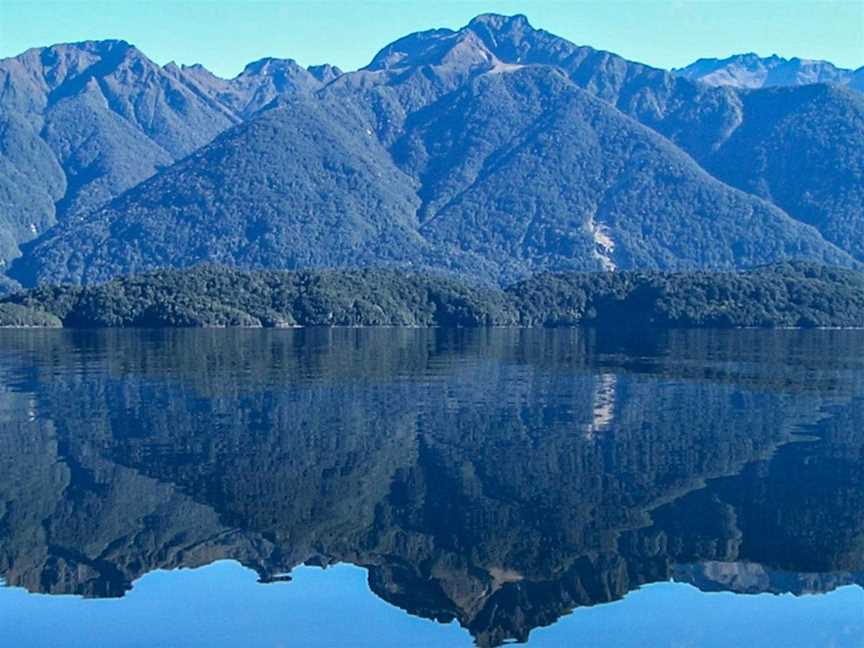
x: 431, y: 488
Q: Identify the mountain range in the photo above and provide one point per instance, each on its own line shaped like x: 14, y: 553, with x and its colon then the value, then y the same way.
x: 754, y: 71
x: 492, y: 152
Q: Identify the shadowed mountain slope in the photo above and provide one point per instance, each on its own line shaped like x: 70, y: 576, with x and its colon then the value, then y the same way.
x: 82, y: 122
x: 802, y: 149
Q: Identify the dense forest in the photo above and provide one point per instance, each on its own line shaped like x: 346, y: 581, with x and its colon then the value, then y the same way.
x: 780, y: 295
x: 213, y: 296
x: 17, y: 316
x: 178, y: 448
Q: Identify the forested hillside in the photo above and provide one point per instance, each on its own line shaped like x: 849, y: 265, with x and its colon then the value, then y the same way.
x: 494, y: 152
x: 784, y: 295
x: 80, y: 123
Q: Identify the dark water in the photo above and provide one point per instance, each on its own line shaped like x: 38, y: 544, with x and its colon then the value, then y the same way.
x: 562, y: 488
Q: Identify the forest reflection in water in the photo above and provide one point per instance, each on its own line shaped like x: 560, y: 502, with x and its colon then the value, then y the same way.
x: 498, y: 479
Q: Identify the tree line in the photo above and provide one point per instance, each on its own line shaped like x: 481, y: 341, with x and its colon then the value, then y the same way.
x: 794, y: 294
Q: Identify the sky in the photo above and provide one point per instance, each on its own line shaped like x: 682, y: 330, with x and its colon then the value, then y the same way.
x: 224, y: 35
x: 334, y: 607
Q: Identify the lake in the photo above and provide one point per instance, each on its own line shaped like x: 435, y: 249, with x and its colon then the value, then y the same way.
x: 422, y: 487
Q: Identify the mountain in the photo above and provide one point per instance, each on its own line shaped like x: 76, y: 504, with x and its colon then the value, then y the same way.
x: 258, y: 84
x: 857, y: 80
x: 803, y: 150
x: 494, y: 151
x: 574, y: 184
x: 80, y: 123
x: 753, y: 71
x: 411, y: 74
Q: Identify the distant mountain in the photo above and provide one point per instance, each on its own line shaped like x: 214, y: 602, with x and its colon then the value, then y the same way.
x: 494, y: 151
x: 80, y: 123
x: 258, y: 84
x: 753, y: 578
x: 753, y: 71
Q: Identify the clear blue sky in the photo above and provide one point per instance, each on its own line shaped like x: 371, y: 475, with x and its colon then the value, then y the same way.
x: 224, y: 35
x: 222, y: 605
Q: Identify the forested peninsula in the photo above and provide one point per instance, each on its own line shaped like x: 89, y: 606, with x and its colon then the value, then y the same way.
x: 802, y: 295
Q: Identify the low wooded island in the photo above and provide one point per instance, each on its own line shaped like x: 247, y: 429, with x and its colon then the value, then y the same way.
x: 782, y: 295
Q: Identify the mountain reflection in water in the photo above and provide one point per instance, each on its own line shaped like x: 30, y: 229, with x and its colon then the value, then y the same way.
x: 498, y: 478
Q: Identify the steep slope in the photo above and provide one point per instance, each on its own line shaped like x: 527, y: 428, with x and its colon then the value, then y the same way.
x: 813, y: 140
x: 526, y: 169
x: 31, y: 180
x: 81, y: 123
x: 99, y: 117
x: 296, y: 187
x: 802, y: 149
x: 414, y: 72
x: 753, y: 71
x: 94, y: 101
x: 515, y: 173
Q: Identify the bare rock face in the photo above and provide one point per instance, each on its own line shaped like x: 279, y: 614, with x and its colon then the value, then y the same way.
x: 753, y: 71
x: 260, y: 83
x: 753, y: 578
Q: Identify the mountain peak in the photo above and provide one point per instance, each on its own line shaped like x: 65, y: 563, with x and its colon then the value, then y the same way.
x: 107, y: 45
x: 107, y: 50
x: 264, y: 65
x: 324, y: 73
x: 753, y: 71
x: 66, y: 68
x: 509, y: 37
x: 487, y: 37
x: 500, y: 22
